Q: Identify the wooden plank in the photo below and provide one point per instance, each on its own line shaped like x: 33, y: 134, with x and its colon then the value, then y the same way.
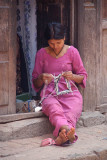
x: 104, y: 9
x: 104, y: 24
x: 4, y: 3
x: 4, y: 34
x: 12, y: 57
x: 98, y: 53
x: 3, y: 110
x: 4, y: 84
x: 104, y: 66
x: 72, y: 22
x: 4, y: 57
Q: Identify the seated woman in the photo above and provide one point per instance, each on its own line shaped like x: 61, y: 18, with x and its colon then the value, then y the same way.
x: 63, y: 110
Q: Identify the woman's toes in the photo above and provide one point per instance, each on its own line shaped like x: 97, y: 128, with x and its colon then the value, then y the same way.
x: 63, y: 135
x: 58, y: 141
x: 62, y: 138
x: 70, y: 135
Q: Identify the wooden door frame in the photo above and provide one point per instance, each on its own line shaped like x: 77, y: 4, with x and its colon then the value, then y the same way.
x: 8, y: 57
x: 74, y: 23
x: 103, y: 98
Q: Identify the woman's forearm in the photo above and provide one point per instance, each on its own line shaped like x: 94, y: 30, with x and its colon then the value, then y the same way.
x: 77, y: 78
x: 74, y: 77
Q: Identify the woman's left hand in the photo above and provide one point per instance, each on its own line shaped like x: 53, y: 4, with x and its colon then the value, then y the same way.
x: 68, y: 75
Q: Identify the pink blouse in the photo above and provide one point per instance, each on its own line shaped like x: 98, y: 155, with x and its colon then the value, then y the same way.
x: 70, y: 61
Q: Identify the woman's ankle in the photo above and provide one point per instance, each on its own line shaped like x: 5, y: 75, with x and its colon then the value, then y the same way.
x: 65, y: 127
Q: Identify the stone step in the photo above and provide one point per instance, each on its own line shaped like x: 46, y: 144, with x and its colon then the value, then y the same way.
x: 25, y: 128
x: 91, y: 145
x: 39, y: 125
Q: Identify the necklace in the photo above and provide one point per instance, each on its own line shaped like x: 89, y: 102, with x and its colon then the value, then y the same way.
x: 59, y: 51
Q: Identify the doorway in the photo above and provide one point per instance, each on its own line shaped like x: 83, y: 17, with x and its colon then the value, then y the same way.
x: 52, y: 11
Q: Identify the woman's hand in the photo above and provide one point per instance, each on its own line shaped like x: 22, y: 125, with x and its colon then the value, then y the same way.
x: 68, y: 75
x: 74, y: 77
x: 42, y: 78
x: 46, y: 78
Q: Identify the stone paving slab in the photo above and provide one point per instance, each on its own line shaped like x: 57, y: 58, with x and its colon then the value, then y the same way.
x: 91, y: 145
x: 92, y: 118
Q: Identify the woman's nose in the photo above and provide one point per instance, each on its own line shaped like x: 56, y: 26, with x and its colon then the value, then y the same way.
x: 55, y: 46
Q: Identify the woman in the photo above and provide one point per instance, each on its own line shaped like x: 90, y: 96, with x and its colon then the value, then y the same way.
x: 60, y: 59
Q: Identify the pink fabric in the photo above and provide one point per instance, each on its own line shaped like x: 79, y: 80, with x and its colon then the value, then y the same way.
x: 64, y: 109
x: 47, y: 142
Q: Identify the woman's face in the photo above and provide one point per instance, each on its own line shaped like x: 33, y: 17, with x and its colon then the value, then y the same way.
x: 56, y: 44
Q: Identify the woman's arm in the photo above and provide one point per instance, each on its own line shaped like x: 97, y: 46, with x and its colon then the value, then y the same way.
x: 78, y: 73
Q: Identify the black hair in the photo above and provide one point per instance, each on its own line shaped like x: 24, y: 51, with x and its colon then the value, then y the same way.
x: 54, y: 31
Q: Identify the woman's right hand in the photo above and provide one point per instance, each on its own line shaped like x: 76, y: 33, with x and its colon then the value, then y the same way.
x: 46, y: 78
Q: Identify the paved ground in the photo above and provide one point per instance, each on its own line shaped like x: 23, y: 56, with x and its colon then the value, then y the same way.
x: 91, y: 145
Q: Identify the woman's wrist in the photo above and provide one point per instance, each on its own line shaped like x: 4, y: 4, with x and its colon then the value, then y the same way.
x: 73, y: 77
x: 38, y: 82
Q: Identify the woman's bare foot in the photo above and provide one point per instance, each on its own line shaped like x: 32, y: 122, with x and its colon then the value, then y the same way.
x: 62, y: 138
x: 70, y: 134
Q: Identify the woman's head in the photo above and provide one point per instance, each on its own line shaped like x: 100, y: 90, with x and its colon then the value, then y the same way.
x: 54, y: 31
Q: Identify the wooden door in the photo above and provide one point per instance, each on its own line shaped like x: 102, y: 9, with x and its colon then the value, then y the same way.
x: 52, y: 11
x: 7, y: 57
